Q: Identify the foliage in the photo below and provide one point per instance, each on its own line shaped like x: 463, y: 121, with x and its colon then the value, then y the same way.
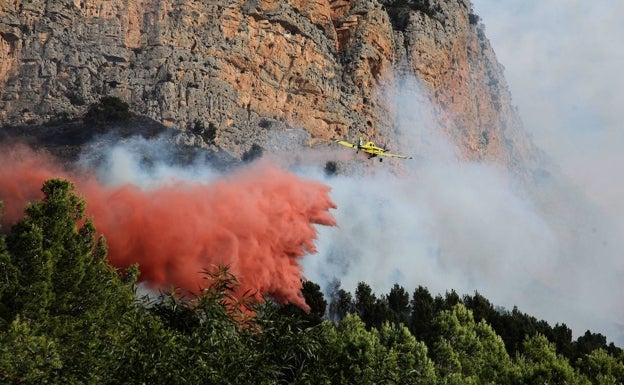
x: 423, y: 311
x: 108, y: 109
x: 288, y: 348
x: 26, y: 356
x: 211, y: 133
x: 254, y: 152
x: 66, y: 296
x: 354, y: 355
x: 314, y: 298
x: 473, y: 19
x: 208, y: 133
x: 331, y: 168
x: 540, y: 364
x: 399, y: 11
x: 197, y: 127
x: 601, y: 367
x: 398, y: 302
x: 469, y: 351
x: 9, y: 276
x: 372, y: 310
x: 66, y: 316
x: 341, y: 302
x: 413, y: 365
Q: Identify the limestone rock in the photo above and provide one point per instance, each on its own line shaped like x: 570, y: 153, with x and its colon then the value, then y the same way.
x: 248, y: 67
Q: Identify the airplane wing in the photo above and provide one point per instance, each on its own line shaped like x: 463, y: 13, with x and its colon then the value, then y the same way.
x: 346, y: 144
x: 394, y: 155
x: 381, y: 152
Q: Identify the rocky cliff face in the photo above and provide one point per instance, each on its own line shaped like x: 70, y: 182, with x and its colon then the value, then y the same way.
x: 248, y: 67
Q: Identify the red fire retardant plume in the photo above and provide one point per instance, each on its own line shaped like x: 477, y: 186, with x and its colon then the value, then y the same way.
x: 260, y: 222
x: 22, y: 173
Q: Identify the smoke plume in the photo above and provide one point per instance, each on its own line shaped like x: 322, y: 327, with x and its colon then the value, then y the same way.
x: 259, y: 221
x: 447, y: 223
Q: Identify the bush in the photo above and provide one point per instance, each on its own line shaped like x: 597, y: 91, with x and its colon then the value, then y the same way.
x: 108, y: 109
x: 199, y: 128
x: 331, y: 168
x: 253, y: 153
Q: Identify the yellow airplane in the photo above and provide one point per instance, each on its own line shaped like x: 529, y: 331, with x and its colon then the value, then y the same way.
x: 371, y: 149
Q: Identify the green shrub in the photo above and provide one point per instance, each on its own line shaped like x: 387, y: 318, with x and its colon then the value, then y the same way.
x: 331, y: 168
x: 253, y: 153
x: 108, y: 109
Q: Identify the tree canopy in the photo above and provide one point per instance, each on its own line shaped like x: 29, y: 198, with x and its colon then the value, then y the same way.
x: 67, y: 316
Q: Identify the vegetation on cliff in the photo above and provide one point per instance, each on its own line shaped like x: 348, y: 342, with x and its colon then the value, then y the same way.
x: 108, y: 109
x: 68, y: 317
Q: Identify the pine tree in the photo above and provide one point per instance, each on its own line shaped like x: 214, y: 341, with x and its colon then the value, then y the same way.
x: 423, y: 311
x: 65, y: 288
x: 469, y: 352
x: 398, y: 302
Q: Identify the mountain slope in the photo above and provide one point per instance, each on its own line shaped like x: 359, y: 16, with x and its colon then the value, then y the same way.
x: 249, y: 67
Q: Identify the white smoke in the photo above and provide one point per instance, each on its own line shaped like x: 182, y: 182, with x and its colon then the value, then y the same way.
x: 145, y: 163
x: 449, y: 224
x: 563, y: 62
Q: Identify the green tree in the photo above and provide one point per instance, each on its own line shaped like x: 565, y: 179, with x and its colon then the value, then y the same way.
x: 108, y: 109
x: 147, y: 352
x: 451, y: 298
x: 601, y: 368
x: 341, y: 302
x: 423, y: 311
x: 413, y: 366
x: 373, y: 311
x: 180, y: 339
x: 481, y: 308
x: 562, y: 337
x: 398, y: 302
x: 399, y: 11
x: 589, y: 342
x: 331, y: 168
x: 288, y: 348
x: 255, y: 152
x: 65, y: 289
x: 315, y: 299
x: 365, y: 302
x: 9, y: 276
x: 540, y: 364
x: 354, y: 355
x: 27, y: 357
x: 469, y: 352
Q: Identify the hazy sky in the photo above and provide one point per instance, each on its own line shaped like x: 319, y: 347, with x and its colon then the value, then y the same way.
x: 563, y: 62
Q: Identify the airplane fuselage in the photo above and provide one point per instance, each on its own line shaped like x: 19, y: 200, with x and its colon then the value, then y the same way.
x: 371, y: 149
